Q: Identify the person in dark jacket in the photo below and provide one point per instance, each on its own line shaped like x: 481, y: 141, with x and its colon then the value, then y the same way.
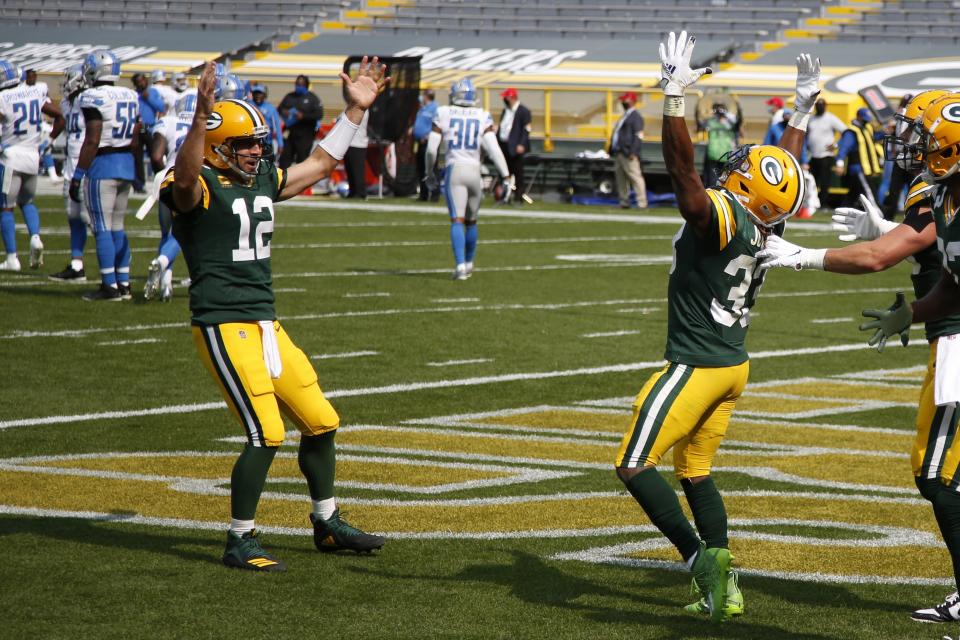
x: 859, y: 157
x: 625, y: 151
x: 301, y: 111
x: 514, y: 137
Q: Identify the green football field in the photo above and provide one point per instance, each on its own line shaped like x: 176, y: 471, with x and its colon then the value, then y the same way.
x: 480, y: 421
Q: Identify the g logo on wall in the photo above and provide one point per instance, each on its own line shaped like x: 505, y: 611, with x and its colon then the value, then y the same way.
x: 771, y: 170
x: 951, y: 112
x: 901, y: 77
x: 214, y: 120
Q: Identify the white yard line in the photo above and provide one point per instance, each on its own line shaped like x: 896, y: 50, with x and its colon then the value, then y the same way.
x: 831, y: 320
x: 117, y: 343
x: 611, y: 334
x: 374, y: 294
x: 453, y: 363
x: 345, y: 354
x: 418, y: 386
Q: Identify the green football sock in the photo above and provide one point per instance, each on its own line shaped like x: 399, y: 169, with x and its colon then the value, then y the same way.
x: 247, y: 480
x: 318, y: 463
x: 930, y: 488
x: 709, y: 514
x: 661, y: 505
x: 947, y: 507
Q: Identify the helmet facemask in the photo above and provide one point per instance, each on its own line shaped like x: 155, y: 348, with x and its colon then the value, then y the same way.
x: 233, y: 149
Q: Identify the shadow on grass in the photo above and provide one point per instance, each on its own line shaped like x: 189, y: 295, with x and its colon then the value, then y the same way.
x: 94, y: 532
x: 531, y: 580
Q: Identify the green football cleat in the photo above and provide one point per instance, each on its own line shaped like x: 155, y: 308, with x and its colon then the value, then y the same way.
x: 710, y: 574
x: 733, y: 604
x: 245, y: 552
x: 336, y: 534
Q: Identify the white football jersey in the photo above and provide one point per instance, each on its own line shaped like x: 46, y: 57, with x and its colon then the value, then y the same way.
x: 74, y: 132
x: 169, y: 96
x: 22, y: 124
x: 174, y: 129
x: 119, y: 107
x: 462, y: 129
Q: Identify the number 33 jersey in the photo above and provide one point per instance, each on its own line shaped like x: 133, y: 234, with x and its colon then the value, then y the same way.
x: 226, y: 243
x: 462, y: 129
x: 714, y: 281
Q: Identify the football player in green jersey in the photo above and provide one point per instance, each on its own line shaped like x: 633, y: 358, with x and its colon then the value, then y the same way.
x: 713, y: 284
x: 888, y: 244
x: 938, y: 148
x: 221, y: 192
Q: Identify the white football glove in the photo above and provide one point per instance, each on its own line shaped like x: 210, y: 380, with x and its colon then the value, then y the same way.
x: 854, y: 224
x: 808, y: 83
x: 778, y: 252
x: 675, y: 72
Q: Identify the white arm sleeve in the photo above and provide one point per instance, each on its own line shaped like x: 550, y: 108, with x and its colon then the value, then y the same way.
x: 492, y: 147
x: 433, y: 145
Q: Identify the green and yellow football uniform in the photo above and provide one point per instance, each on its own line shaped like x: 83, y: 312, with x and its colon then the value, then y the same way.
x: 714, y: 281
x: 225, y: 241
x: 936, y: 426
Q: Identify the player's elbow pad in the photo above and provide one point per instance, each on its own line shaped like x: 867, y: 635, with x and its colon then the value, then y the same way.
x: 492, y: 148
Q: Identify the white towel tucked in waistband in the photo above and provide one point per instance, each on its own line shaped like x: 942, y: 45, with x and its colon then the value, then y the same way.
x: 271, y: 351
x: 946, y: 385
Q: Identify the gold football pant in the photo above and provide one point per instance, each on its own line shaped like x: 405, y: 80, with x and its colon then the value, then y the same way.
x: 233, y: 354
x: 684, y: 407
x: 936, y: 427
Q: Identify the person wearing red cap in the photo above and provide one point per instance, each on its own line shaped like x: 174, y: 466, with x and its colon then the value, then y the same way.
x: 625, y: 151
x: 514, y: 137
x: 775, y: 108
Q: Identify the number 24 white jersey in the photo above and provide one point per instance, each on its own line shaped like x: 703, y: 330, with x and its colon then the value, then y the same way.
x: 22, y: 119
x: 462, y: 129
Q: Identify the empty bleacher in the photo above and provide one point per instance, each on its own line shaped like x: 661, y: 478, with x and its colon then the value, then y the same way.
x: 919, y: 21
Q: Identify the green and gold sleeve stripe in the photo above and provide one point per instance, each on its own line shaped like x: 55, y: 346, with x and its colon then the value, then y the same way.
x: 726, y: 222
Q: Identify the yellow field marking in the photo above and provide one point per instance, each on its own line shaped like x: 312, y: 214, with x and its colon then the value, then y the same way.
x: 776, y: 406
x: 566, y: 419
x: 818, y: 437
x: 482, y: 443
x: 849, y: 390
x: 911, y: 561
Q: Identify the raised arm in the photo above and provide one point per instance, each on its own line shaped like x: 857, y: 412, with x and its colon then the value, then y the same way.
x: 807, y: 90
x: 187, y: 191
x: 360, y: 95
x: 675, y: 76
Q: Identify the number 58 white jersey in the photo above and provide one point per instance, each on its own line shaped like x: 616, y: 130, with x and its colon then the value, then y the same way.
x: 119, y: 107
x: 462, y: 129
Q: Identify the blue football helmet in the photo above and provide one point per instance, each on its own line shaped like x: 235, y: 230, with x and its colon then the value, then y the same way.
x: 9, y: 74
x: 463, y: 93
x: 101, y: 66
x: 73, y: 80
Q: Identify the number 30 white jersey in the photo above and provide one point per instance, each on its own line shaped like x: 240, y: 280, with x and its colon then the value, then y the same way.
x: 22, y: 123
x: 462, y: 129
x: 119, y: 107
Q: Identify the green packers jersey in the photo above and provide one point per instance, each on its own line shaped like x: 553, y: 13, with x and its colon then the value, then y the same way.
x: 948, y: 231
x: 714, y: 282
x: 927, y: 265
x: 225, y: 241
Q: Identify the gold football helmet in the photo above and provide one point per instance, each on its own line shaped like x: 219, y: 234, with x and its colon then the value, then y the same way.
x: 767, y: 180
x: 899, y: 147
x: 229, y: 122
x: 939, y: 144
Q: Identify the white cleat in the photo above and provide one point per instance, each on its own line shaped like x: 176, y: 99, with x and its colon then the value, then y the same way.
x: 36, y: 252
x: 460, y: 273
x: 166, y: 290
x: 52, y: 173
x: 469, y: 266
x: 154, y: 277
x: 12, y: 263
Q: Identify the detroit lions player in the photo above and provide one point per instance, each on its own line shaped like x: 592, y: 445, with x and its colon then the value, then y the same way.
x: 466, y: 128
x: 77, y: 216
x: 158, y: 79
x: 106, y: 169
x: 168, y: 135
x: 20, y: 112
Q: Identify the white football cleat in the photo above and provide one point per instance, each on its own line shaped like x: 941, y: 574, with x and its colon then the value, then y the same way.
x: 469, y: 266
x: 946, y: 611
x: 154, y: 276
x: 12, y: 263
x: 36, y: 251
x: 166, y: 289
x: 460, y: 273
